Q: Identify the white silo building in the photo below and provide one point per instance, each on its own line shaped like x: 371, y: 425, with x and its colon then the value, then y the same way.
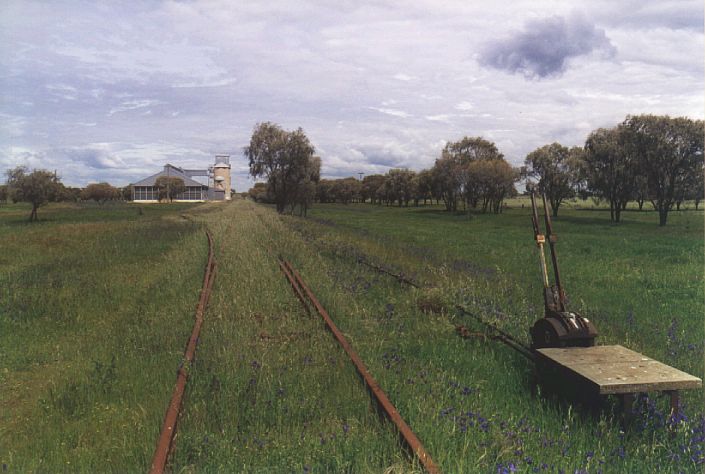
x: 218, y: 188
x: 221, y: 178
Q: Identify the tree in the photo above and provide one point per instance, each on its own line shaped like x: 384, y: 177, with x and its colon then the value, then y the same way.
x: 400, y: 185
x: 465, y: 152
x: 284, y: 158
x: 100, y: 192
x: 169, y: 187
x: 260, y: 193
x: 3, y: 193
x: 446, y: 178
x: 698, y: 187
x: 370, y: 184
x: 424, y: 186
x: 38, y: 188
x: 610, y: 170
x: 669, y: 151
x: 346, y: 190
x: 324, y: 191
x: 557, y: 168
x: 493, y: 181
x: 641, y: 189
x: 126, y: 193
x: 305, y: 191
x: 71, y: 194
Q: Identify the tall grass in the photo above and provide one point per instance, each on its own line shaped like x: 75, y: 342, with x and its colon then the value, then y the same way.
x: 95, y: 306
x: 471, y: 401
x: 271, y: 391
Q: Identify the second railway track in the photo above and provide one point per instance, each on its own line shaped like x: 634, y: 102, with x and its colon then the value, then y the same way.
x: 412, y: 442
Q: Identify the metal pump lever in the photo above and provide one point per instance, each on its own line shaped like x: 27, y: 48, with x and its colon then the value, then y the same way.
x: 559, y: 327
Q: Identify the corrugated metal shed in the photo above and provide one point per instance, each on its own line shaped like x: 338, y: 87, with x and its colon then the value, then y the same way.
x: 169, y: 170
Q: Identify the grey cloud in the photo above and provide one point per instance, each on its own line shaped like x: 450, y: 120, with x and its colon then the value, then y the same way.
x: 383, y: 156
x: 65, y: 69
x: 638, y: 14
x: 93, y: 158
x: 544, y: 46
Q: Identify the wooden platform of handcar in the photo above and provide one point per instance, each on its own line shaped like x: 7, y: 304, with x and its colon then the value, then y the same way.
x: 613, y: 370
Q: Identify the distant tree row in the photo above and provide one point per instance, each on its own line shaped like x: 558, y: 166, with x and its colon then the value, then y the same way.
x: 471, y: 172
x: 651, y: 158
x: 40, y: 187
x: 646, y: 158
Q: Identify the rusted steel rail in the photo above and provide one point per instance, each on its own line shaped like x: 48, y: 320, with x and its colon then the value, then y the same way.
x: 501, y: 335
x: 166, y: 436
x: 294, y: 285
x: 400, y: 278
x: 410, y: 439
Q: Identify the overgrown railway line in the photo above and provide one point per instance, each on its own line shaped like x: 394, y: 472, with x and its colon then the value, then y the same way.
x: 412, y: 442
x: 165, y: 443
x: 310, y: 304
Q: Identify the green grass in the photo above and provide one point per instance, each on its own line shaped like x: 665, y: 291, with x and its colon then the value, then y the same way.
x: 640, y: 284
x: 96, y: 305
x: 271, y: 391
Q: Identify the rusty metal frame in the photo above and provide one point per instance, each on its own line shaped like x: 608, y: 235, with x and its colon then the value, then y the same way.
x: 501, y: 335
x: 165, y: 443
x: 410, y: 439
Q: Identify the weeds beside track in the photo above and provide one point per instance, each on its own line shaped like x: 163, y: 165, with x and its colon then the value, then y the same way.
x: 410, y: 439
x: 168, y: 431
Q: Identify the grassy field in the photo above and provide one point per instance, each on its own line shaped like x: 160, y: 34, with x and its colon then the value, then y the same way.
x: 97, y: 305
x: 642, y: 285
x: 95, y: 308
x: 271, y: 391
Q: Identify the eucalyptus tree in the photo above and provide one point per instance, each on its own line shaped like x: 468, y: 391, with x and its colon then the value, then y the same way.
x: 611, y: 171
x: 557, y: 168
x: 400, y: 185
x: 286, y: 160
x: 446, y: 173
x: 38, y: 188
x: 669, y: 152
x: 494, y: 181
x: 346, y: 190
x: 370, y: 184
x: 169, y: 187
x: 464, y: 153
x: 101, y: 192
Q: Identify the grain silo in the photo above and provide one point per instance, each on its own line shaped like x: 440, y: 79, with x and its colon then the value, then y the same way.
x: 221, y: 176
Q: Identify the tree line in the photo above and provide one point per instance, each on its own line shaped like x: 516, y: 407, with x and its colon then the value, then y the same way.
x: 646, y: 158
x: 471, y: 171
x: 40, y: 187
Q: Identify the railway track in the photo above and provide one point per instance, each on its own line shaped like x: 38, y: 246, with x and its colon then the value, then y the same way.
x: 165, y: 443
x: 306, y: 296
x: 497, y: 333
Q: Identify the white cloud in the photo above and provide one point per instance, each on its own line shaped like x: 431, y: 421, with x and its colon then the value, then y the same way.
x: 133, y: 105
x: 439, y: 118
x: 79, y: 75
x: 403, y: 77
x: 392, y: 112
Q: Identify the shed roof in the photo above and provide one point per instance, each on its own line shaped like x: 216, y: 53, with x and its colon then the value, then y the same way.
x: 170, y: 170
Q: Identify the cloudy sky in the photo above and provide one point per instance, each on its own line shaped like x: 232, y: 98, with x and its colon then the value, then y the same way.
x: 110, y: 91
